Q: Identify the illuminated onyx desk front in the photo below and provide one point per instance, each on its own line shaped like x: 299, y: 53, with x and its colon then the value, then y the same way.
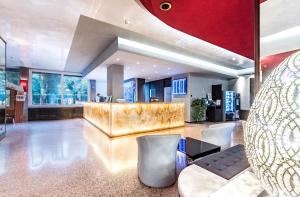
x: 117, y: 119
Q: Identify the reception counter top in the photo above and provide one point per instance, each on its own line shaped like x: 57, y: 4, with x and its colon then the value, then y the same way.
x: 117, y: 119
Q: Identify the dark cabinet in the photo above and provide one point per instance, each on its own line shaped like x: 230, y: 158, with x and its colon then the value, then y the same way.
x: 214, y: 114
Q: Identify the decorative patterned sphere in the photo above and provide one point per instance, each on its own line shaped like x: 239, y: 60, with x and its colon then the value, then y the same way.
x: 272, y: 132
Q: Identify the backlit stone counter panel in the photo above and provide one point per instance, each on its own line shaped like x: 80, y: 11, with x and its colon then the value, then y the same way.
x: 117, y: 119
x: 99, y: 114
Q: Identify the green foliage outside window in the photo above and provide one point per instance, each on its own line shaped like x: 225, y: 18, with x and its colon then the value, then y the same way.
x: 13, y: 77
x: 2, y: 87
x: 47, y: 90
x: 75, y: 90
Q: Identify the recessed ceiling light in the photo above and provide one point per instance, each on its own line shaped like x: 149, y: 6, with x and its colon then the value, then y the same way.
x: 177, y: 57
x: 168, y: 73
x: 137, y: 62
x: 233, y: 58
x: 154, y: 66
x: 169, y: 68
x: 165, y: 6
x: 118, y: 59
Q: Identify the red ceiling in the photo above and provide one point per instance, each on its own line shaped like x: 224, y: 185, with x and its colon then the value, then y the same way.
x: 272, y: 61
x: 226, y: 23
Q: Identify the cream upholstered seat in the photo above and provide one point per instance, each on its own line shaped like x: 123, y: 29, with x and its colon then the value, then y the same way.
x: 157, y: 159
x: 226, y: 124
x: 219, y: 134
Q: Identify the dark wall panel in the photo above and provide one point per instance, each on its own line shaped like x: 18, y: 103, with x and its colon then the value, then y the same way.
x: 159, y: 86
x: 140, y: 90
x: 55, y: 113
x: 244, y: 114
x: 168, y: 82
x: 2, y: 113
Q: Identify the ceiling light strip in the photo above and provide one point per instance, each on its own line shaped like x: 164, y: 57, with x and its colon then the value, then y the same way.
x: 246, y: 71
x: 295, y: 31
x: 148, y: 50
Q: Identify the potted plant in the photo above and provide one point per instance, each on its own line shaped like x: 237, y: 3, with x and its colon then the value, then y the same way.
x: 199, y: 107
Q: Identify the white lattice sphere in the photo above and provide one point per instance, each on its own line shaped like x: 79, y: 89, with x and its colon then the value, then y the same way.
x: 272, y: 132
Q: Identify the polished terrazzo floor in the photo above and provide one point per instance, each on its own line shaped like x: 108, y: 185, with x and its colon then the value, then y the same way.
x: 73, y: 158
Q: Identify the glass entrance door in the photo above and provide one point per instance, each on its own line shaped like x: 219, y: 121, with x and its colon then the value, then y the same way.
x: 2, y: 88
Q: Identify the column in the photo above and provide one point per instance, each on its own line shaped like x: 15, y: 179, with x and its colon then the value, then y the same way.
x: 24, y: 77
x: 92, y: 90
x: 115, y: 81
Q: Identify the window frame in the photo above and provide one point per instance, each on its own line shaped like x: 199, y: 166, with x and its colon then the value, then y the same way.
x: 62, y: 74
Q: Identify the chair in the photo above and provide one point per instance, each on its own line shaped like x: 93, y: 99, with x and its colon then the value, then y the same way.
x: 10, y: 115
x: 226, y: 124
x: 157, y: 159
x: 219, y: 134
x: 108, y: 99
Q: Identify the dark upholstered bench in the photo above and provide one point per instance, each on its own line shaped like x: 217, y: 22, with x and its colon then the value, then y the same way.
x: 227, y: 163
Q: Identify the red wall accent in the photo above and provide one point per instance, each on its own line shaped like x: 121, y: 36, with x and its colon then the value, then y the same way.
x: 24, y: 83
x: 226, y: 23
x: 272, y: 61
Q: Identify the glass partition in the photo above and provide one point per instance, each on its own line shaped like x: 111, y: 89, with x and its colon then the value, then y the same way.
x: 2, y: 87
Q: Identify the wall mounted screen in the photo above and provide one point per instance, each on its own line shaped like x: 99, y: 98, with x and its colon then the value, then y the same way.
x: 179, y: 86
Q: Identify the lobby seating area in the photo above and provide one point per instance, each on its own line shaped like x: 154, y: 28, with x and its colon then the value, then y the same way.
x: 157, y: 160
x: 77, y: 153
x: 219, y: 170
x: 149, y: 98
x: 219, y: 134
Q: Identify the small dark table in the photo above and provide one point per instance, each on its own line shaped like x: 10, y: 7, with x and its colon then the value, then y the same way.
x: 194, y: 149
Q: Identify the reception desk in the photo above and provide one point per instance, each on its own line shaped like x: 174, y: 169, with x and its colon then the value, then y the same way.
x: 117, y: 119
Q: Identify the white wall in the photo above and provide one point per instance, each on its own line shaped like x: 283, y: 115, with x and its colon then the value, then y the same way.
x: 242, y: 86
x: 198, y: 86
x: 201, y: 85
x: 101, y: 87
x: 183, y: 98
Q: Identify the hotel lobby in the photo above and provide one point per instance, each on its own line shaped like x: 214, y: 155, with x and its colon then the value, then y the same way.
x: 150, y: 98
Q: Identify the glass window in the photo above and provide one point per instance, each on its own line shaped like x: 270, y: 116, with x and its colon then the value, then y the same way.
x: 46, y: 89
x: 2, y: 87
x: 4, y: 94
x: 130, y: 91
x: 13, y: 77
x: 75, y: 90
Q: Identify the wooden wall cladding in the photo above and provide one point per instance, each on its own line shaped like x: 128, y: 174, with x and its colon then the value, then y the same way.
x: 59, y: 113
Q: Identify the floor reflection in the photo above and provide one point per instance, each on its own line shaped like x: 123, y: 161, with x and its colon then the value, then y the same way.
x: 3, y: 152
x: 60, y: 153
x: 57, y: 157
x: 120, y: 153
x: 42, y: 146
